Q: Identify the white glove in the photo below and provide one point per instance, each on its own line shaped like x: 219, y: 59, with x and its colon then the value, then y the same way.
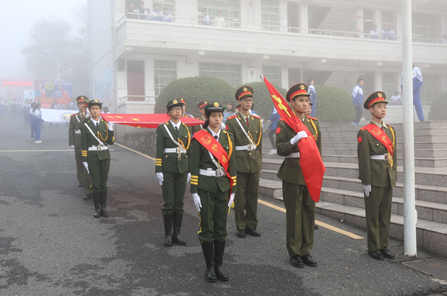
x: 367, y: 189
x: 188, y: 178
x: 298, y: 137
x: 231, y: 199
x: 197, y: 202
x: 160, y: 178
x: 110, y: 124
x: 72, y: 146
x: 86, y: 167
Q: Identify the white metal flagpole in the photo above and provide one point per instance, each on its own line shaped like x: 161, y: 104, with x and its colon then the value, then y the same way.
x: 410, y: 215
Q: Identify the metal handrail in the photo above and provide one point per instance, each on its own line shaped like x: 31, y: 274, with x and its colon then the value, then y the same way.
x: 137, y: 98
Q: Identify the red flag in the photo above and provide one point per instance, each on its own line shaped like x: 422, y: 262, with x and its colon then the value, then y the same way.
x: 310, y: 158
x: 145, y: 120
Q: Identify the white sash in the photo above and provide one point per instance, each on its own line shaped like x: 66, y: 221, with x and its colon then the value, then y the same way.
x: 172, y: 138
x: 249, y: 139
x: 100, y: 143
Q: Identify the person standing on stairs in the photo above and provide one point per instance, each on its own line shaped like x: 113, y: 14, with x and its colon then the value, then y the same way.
x: 357, y: 100
x: 377, y: 161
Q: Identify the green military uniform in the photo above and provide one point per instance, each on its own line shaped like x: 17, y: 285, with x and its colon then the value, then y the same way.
x: 249, y: 163
x: 197, y: 128
x: 300, y: 208
x: 74, y: 139
x: 378, y: 170
x: 174, y: 167
x: 97, y: 156
x: 213, y: 187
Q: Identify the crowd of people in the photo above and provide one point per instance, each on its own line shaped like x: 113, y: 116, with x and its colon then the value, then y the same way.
x: 386, y: 33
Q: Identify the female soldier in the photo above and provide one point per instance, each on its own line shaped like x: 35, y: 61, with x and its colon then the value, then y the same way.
x: 96, y: 135
x: 213, y: 183
x: 172, y: 169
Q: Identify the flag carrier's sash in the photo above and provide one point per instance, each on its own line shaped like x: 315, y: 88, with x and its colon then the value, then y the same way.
x: 383, y: 138
x: 216, y: 149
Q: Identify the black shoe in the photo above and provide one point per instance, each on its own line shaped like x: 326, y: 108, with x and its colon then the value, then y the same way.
x: 177, y: 224
x: 168, y: 227
x: 241, y: 233
x: 207, y: 248
x: 81, y: 184
x: 387, y: 254
x: 375, y: 255
x: 297, y: 262
x: 307, y: 259
x: 219, y: 250
x: 97, y: 204
x: 103, y: 204
x: 87, y: 197
x: 252, y: 232
x: 317, y: 227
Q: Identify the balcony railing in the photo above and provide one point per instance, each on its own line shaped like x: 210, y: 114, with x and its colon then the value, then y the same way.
x: 271, y: 27
x: 137, y: 99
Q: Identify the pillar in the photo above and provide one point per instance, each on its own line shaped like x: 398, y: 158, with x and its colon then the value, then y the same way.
x: 304, y: 18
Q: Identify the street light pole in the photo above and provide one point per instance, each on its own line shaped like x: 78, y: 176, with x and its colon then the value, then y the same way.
x: 410, y: 215
x: 58, y: 61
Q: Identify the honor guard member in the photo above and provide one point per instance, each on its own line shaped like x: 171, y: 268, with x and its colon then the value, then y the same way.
x: 300, y: 208
x: 213, y: 177
x: 201, y: 105
x: 96, y: 136
x: 77, y: 120
x: 247, y: 131
x: 172, y: 169
x: 376, y: 151
x: 185, y: 114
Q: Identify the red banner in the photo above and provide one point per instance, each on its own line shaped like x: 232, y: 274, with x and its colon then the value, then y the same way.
x: 310, y: 158
x: 145, y: 120
x: 380, y: 135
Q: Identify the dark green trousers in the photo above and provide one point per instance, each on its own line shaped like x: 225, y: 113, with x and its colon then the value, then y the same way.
x: 378, y: 217
x: 300, y: 217
x: 81, y: 172
x: 246, y: 195
x: 174, y: 187
x: 99, y: 173
x: 213, y: 215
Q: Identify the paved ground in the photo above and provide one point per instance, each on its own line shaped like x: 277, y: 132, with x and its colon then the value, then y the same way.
x: 50, y: 244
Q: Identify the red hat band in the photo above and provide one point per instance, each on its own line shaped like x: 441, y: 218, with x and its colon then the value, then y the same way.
x: 243, y: 94
x: 375, y: 101
x: 299, y: 92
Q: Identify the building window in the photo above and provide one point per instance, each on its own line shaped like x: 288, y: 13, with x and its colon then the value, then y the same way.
x: 164, y: 73
x: 388, y: 19
x: 230, y: 73
x: 230, y: 9
x: 426, y: 28
x: 431, y: 88
x: 273, y: 74
x: 168, y: 4
x: 270, y: 15
x: 389, y: 84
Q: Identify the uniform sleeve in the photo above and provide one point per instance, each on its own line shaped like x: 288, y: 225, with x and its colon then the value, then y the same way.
x: 194, y: 162
x: 260, y: 140
x: 230, y: 127
x: 317, y: 124
x: 111, y: 138
x: 232, y: 166
x: 283, y: 146
x: 160, y: 147
x: 71, y: 132
x: 84, y: 144
x: 190, y: 143
x: 363, y: 154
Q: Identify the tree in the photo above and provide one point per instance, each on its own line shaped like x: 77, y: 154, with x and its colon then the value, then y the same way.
x: 334, y: 104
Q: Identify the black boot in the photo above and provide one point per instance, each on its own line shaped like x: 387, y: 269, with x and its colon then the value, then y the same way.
x: 168, y: 227
x: 97, y: 204
x: 219, y: 249
x: 207, y: 249
x: 103, y: 204
x: 177, y: 223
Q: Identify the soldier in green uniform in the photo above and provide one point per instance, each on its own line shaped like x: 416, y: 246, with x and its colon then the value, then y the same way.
x: 247, y: 131
x: 96, y: 136
x: 77, y: 120
x: 172, y: 169
x: 201, y: 105
x: 211, y: 186
x: 378, y: 171
x: 300, y: 208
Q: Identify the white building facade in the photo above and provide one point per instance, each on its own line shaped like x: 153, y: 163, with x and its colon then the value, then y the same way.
x: 133, y: 57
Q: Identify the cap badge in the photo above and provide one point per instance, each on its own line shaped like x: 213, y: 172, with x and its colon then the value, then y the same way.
x: 302, y: 86
x: 244, y: 89
x: 379, y: 95
x: 216, y: 104
x: 205, y: 102
x: 174, y: 102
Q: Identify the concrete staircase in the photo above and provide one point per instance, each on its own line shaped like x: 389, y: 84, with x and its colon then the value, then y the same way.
x: 342, y: 193
x: 332, y: 20
x: 337, y: 79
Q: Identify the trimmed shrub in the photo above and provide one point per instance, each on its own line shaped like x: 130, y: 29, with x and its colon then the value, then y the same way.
x: 263, y: 105
x: 438, y: 109
x: 334, y: 104
x: 194, y: 90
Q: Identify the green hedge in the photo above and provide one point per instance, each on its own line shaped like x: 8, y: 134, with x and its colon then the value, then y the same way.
x: 194, y: 90
x: 334, y: 104
x: 438, y: 109
x: 263, y: 105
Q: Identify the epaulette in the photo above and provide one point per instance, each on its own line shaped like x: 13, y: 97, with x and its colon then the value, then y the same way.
x: 390, y: 126
x: 231, y: 117
x: 311, y: 117
x: 256, y: 116
x: 281, y: 119
x: 167, y: 123
x: 362, y: 129
x: 73, y: 114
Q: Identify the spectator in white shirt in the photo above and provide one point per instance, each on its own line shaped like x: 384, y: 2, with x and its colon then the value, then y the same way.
x: 205, y: 18
x: 373, y: 34
x: 219, y: 21
x: 167, y: 17
x: 156, y: 14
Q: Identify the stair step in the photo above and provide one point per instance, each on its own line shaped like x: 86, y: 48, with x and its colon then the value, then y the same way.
x: 353, y: 145
x: 418, y: 161
x: 421, y: 153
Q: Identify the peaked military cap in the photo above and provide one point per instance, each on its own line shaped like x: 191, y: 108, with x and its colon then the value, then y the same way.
x: 375, y: 97
x: 299, y: 89
x: 93, y: 103
x: 213, y: 107
x: 202, y: 104
x: 243, y: 92
x: 81, y: 99
x: 175, y: 103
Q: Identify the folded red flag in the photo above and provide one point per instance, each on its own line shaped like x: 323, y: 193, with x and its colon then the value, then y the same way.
x: 145, y: 120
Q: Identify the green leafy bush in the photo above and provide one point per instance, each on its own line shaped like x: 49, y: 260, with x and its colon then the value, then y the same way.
x: 263, y: 105
x: 334, y: 104
x: 194, y: 90
x: 438, y: 109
